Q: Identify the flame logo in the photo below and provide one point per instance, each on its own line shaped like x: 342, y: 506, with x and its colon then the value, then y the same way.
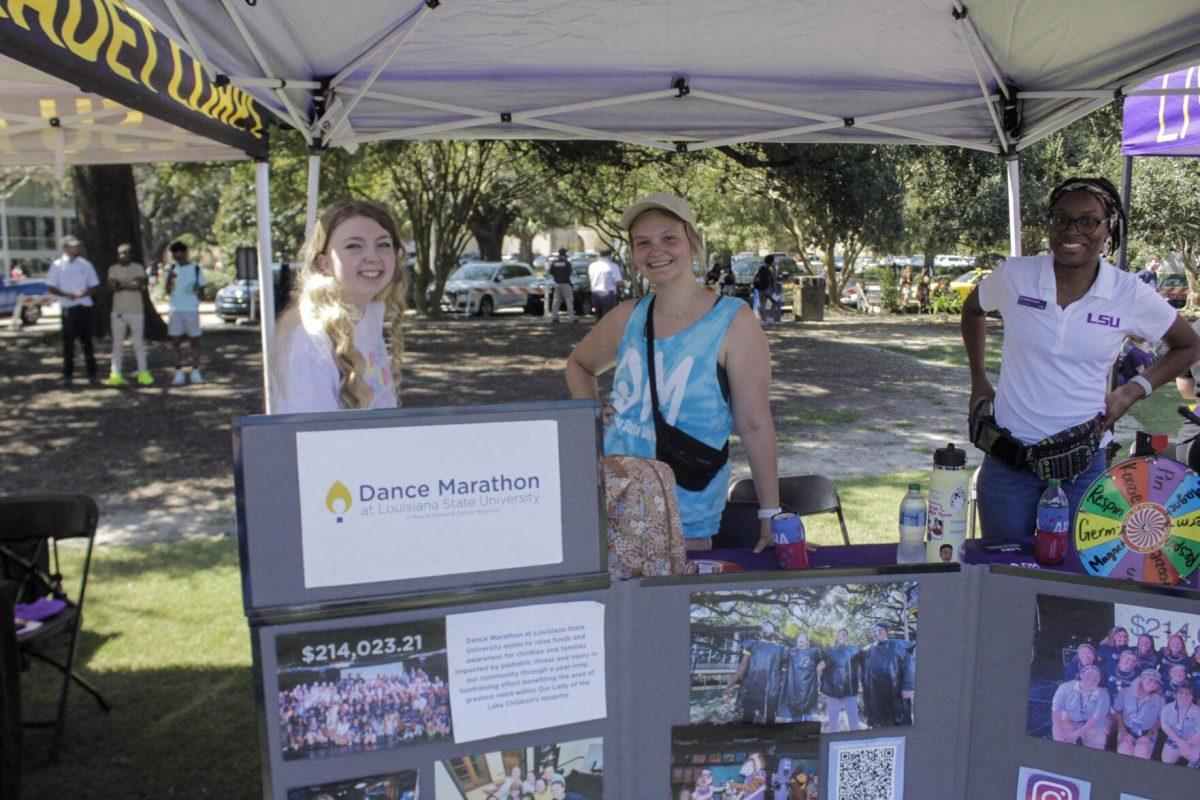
x: 338, y: 499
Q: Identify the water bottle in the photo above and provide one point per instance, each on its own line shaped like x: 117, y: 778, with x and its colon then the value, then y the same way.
x: 949, y: 493
x: 911, y: 549
x: 1053, y: 525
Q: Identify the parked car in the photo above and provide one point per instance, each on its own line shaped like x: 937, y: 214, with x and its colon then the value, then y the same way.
x: 863, y: 295
x: 1174, y: 289
x: 964, y: 283
x: 232, y: 301
x: 956, y: 262
x: 23, y: 298
x: 482, y: 288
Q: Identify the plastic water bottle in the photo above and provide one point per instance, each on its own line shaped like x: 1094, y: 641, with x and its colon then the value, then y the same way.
x: 1053, y: 525
x: 911, y: 549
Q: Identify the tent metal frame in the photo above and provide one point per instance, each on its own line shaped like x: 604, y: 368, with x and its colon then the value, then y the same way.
x: 332, y: 128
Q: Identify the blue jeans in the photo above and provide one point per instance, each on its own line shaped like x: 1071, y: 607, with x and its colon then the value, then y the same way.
x: 1008, y: 498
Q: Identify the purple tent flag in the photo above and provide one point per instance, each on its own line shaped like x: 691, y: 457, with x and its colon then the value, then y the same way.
x: 1164, y: 125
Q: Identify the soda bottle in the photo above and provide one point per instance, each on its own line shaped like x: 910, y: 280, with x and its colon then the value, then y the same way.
x: 911, y: 549
x: 788, y: 532
x: 1053, y: 524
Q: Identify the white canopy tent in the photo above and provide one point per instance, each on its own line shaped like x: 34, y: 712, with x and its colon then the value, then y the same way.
x: 688, y: 75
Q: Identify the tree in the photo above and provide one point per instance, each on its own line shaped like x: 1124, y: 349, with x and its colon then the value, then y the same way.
x: 1166, y: 212
x: 178, y: 199
x: 106, y: 211
x: 848, y: 195
x: 438, y: 185
x: 951, y: 200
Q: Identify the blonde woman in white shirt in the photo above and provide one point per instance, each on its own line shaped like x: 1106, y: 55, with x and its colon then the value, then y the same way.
x: 330, y: 351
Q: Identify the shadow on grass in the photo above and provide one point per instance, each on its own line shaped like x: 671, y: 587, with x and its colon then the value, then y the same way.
x: 172, y: 732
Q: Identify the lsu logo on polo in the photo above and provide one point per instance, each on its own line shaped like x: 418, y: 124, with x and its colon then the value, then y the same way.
x: 338, y: 499
x: 1107, y: 320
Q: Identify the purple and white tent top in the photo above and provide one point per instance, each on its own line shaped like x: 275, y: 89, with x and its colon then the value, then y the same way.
x: 1165, y: 124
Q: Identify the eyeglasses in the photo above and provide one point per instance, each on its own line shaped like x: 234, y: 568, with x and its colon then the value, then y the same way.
x: 1061, y: 222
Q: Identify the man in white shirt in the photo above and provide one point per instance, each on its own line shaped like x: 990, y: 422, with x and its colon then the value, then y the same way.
x: 73, y: 281
x: 605, y: 278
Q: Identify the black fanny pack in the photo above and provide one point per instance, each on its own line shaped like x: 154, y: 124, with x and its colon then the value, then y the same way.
x: 694, y: 463
x: 1063, y: 455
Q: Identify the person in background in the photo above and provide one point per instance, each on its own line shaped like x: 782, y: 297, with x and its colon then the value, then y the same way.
x: 1110, y: 649
x: 1147, y: 653
x: 888, y: 680
x: 764, y: 290
x: 184, y: 284
x: 1123, y: 674
x: 1136, y: 357
x: 1085, y: 656
x: 605, y: 279
x: 1177, y: 676
x: 562, y: 291
x: 1079, y: 711
x: 1173, y: 652
x: 1066, y: 315
x: 73, y: 280
x: 329, y: 350
x: 127, y: 279
x: 713, y: 373
x: 759, y: 677
x: 17, y: 273
x: 1137, y: 711
x: 804, y: 668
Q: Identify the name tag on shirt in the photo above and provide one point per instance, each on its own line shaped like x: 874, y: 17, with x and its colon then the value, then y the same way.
x: 1032, y: 302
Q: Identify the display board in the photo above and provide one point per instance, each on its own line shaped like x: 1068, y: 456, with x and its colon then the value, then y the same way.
x: 418, y: 695
x: 444, y: 681
x: 346, y: 506
x: 1032, y: 626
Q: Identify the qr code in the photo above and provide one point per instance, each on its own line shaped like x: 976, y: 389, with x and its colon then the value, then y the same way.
x: 867, y: 773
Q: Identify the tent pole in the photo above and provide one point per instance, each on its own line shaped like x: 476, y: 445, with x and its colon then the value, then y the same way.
x: 266, y: 289
x: 314, y: 188
x: 1014, y: 204
x: 1126, y: 202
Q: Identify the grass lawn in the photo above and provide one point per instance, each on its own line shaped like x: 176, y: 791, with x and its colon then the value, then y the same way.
x: 166, y: 642
x: 951, y: 353
x: 871, y: 507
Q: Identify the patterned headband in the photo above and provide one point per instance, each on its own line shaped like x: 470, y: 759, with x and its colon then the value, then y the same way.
x: 1112, y: 206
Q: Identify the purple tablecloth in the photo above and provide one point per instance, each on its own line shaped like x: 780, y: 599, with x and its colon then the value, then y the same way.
x: 877, y: 555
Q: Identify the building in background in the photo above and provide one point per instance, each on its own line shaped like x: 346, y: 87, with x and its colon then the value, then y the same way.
x: 27, y: 228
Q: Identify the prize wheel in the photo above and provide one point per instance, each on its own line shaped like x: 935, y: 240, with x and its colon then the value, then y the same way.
x: 1140, y: 521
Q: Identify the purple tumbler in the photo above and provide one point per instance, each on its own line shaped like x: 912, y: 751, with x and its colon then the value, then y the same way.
x: 788, y: 532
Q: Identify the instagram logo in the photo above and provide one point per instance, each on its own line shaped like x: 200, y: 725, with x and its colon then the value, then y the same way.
x: 1039, y: 786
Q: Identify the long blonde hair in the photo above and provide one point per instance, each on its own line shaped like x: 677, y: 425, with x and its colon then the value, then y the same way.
x: 319, y: 297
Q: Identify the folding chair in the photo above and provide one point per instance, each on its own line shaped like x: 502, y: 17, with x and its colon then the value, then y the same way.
x: 31, y: 526
x: 804, y: 494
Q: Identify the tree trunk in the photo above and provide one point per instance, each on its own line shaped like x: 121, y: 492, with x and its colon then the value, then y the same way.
x: 527, y: 248
x: 107, y: 215
x: 489, y: 235
x: 832, y: 279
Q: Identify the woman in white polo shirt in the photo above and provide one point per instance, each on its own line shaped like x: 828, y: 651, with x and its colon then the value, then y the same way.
x: 1066, y: 314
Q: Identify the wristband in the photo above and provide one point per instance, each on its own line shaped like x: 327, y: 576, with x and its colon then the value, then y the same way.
x: 767, y: 513
x: 1141, y: 381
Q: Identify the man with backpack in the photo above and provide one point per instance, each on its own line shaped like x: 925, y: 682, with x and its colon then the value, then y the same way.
x: 764, y: 291
x: 185, y: 284
x: 560, y: 272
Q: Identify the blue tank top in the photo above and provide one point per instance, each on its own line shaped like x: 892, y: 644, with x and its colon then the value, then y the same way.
x: 689, y: 395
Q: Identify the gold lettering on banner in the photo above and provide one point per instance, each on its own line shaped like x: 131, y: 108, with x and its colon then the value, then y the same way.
x: 211, y: 102
x: 89, y: 48
x: 176, y: 75
x: 44, y: 9
x: 197, y: 85
x: 151, y: 51
x: 122, y: 34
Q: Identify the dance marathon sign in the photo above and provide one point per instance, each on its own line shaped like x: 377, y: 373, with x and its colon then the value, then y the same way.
x: 1164, y: 124
x: 417, y: 502
x: 110, y: 49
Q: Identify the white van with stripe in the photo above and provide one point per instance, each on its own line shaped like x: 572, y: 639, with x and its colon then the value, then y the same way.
x: 481, y: 288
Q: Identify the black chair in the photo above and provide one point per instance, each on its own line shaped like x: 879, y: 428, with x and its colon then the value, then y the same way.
x: 803, y: 494
x: 31, y: 526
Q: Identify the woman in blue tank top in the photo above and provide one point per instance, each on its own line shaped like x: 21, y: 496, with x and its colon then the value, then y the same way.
x: 712, y: 365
